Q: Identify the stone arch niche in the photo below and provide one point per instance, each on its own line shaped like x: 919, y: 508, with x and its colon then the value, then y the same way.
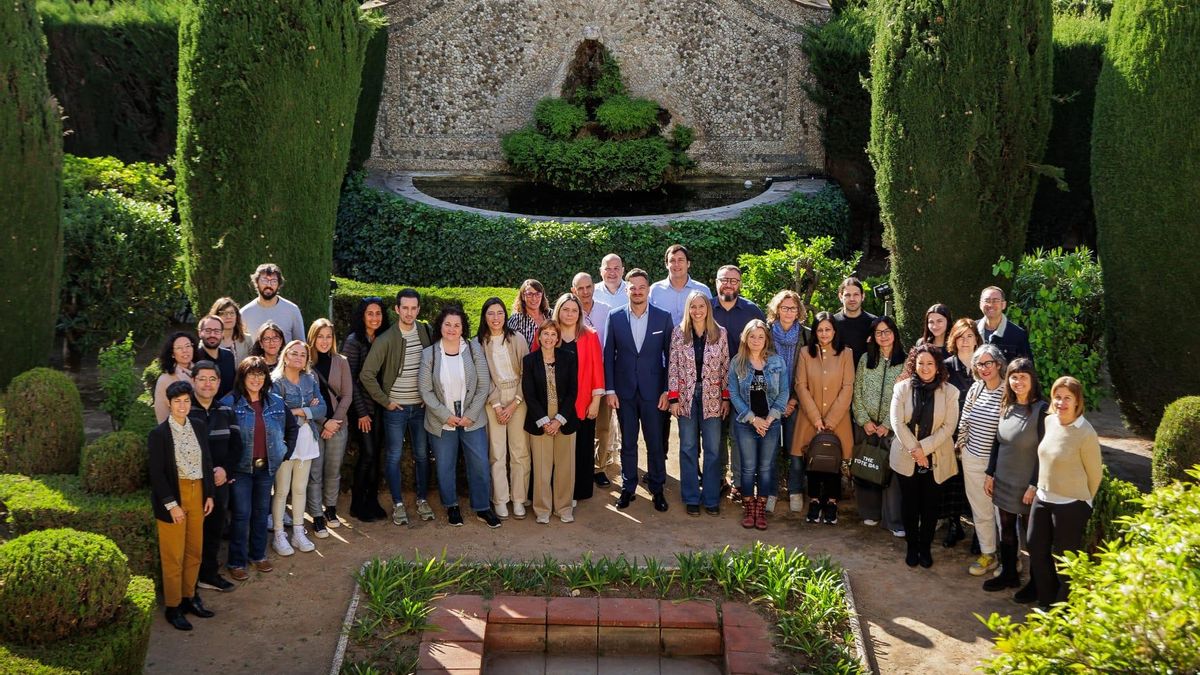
x: 462, y: 73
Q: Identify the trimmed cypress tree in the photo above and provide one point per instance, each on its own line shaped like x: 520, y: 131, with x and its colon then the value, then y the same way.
x: 31, y: 192
x: 267, y: 95
x: 960, y: 98
x: 1146, y: 185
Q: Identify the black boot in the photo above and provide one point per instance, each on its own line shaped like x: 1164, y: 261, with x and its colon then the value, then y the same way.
x: 912, y: 558
x: 1008, y: 577
x: 175, y: 618
x: 1027, y: 594
x: 194, y: 606
x: 954, y: 533
x: 925, y: 555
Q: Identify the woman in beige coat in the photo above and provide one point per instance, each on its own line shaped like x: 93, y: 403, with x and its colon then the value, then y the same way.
x: 924, y: 414
x: 824, y: 386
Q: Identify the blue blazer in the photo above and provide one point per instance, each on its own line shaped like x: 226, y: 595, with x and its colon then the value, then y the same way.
x: 629, y: 372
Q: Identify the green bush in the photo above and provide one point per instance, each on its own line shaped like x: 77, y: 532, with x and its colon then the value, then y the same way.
x: 118, y: 380
x: 121, y: 270
x: 382, y: 238
x: 586, y: 163
x: 1177, y: 442
x: 1114, y: 500
x: 1058, y: 297
x: 1146, y: 183
x: 116, y: 649
x: 112, y: 66
x: 620, y: 115
x: 44, y: 427
x: 140, y: 418
x: 30, y: 191
x: 1060, y: 216
x: 143, y: 181
x: 51, y: 501
x: 367, y: 110
x: 960, y: 110
x: 114, y: 464
x: 348, y: 294
x: 557, y: 118
x: 55, y: 583
x: 765, y: 275
x: 1132, y: 608
x: 267, y: 96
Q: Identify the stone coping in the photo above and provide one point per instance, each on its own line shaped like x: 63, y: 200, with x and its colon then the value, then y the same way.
x: 401, y: 183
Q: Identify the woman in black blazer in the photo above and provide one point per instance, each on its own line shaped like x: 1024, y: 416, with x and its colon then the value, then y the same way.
x: 181, y: 492
x: 549, y: 382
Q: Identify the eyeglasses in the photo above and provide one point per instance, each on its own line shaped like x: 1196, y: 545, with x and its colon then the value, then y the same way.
x: 373, y: 298
x: 271, y: 338
x: 531, y: 293
x: 788, y: 308
x: 985, y: 364
x: 210, y: 331
x: 181, y: 348
x: 207, y: 380
x: 228, y: 312
x: 991, y: 301
x: 729, y: 281
x: 883, y: 333
x: 268, y: 281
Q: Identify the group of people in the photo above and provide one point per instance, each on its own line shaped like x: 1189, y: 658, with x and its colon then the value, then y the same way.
x: 545, y: 397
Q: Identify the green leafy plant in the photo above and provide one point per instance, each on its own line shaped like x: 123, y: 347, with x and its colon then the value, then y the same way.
x: 1132, y: 607
x: 43, y: 430
x: 558, y: 118
x: 1177, y: 443
x: 114, y: 464
x: 141, y: 181
x: 118, y: 380
x: 621, y: 115
x: 1115, y: 500
x: 765, y: 275
x: 1056, y: 296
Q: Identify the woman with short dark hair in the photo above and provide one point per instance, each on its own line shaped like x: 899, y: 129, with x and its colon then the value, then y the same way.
x: 175, y: 365
x: 181, y: 492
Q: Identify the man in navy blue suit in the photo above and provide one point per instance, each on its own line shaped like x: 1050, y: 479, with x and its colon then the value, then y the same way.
x: 635, y: 377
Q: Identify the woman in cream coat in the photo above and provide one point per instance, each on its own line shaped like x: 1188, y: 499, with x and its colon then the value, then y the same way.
x: 924, y: 414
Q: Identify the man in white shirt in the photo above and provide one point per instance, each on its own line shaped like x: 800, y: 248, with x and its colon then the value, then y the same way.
x: 595, y: 316
x: 670, y: 294
x: 270, y: 306
x: 611, y: 290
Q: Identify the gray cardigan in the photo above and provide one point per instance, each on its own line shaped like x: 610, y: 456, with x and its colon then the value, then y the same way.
x: 478, y: 381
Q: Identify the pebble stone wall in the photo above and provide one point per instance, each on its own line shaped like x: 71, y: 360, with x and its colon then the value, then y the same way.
x: 462, y: 73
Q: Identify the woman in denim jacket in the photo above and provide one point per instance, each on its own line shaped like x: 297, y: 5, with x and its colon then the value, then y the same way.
x: 758, y: 389
x: 295, y: 384
x: 268, y: 438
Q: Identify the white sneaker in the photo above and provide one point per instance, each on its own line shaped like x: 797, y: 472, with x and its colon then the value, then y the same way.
x: 567, y: 517
x: 518, y: 509
x: 544, y: 519
x: 870, y: 522
x: 574, y: 503
x: 281, y: 545
x: 501, y: 510
x: 771, y: 504
x: 796, y: 503
x: 899, y: 534
x: 301, y: 541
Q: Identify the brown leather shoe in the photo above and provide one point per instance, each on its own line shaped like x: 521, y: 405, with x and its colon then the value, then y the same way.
x: 264, y: 566
x: 238, y: 574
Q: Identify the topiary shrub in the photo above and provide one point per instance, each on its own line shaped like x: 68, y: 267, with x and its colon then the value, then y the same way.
x: 118, y: 648
x: 114, y: 464
x: 139, y: 418
x: 55, y: 583
x: 558, y: 118
x: 1177, y: 443
x: 51, y: 501
x: 44, y: 428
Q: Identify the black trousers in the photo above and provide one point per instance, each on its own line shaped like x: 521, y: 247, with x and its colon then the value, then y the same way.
x: 1053, y: 530
x: 824, y: 486
x: 213, y: 524
x: 364, y: 495
x: 920, y: 499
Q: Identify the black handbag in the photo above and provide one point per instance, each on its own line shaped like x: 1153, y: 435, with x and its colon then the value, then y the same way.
x: 825, y: 453
x: 872, y: 455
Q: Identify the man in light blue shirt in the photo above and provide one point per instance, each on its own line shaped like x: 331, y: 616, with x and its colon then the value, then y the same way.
x: 611, y: 289
x: 670, y: 294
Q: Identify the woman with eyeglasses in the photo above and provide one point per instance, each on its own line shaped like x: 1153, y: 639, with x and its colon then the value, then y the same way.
x: 961, y: 343
x: 924, y: 413
x: 175, y: 363
x: 976, y: 435
x: 233, y: 331
x: 530, y: 309
x: 785, y: 318
x: 268, y: 343
x: 874, y: 379
x: 370, y: 320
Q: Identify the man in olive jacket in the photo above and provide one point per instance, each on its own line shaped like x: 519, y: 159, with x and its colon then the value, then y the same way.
x: 389, y: 375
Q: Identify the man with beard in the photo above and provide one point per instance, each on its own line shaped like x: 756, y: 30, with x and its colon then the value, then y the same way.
x: 270, y: 306
x: 853, y: 324
x: 210, y: 328
x: 732, y: 312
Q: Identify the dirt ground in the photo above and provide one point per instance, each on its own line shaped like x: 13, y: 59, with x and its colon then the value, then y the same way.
x: 916, y: 620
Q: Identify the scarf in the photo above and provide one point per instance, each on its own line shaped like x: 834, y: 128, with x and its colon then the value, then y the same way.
x: 921, y: 422
x: 785, y: 343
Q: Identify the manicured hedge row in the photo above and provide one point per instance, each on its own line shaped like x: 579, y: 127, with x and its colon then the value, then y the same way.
x: 381, y: 237
x: 117, y: 649
x: 54, y: 500
x: 349, y: 292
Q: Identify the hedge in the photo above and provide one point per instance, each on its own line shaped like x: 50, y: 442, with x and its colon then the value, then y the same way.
x: 116, y: 649
x: 1146, y: 183
x: 113, y: 67
x: 265, y: 119
x: 44, y: 428
x: 382, y: 237
x: 350, y: 292
x: 960, y: 109
x: 55, y: 500
x: 1114, y: 500
x: 1177, y: 442
x: 1060, y: 215
x: 115, y: 464
x: 31, y: 192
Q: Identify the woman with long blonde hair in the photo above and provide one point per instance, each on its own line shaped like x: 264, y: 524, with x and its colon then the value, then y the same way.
x: 758, y: 391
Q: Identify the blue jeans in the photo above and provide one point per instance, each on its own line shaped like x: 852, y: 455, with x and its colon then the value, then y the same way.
x: 409, y: 418
x: 479, y: 479
x: 758, y: 454
x: 797, y: 480
x: 250, y: 505
x: 691, y: 430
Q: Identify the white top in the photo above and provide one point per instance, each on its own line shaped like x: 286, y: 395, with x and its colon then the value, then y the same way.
x: 498, y: 357
x: 614, y: 300
x: 597, y: 319
x: 453, y: 377
x: 285, y: 313
x: 981, y: 416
